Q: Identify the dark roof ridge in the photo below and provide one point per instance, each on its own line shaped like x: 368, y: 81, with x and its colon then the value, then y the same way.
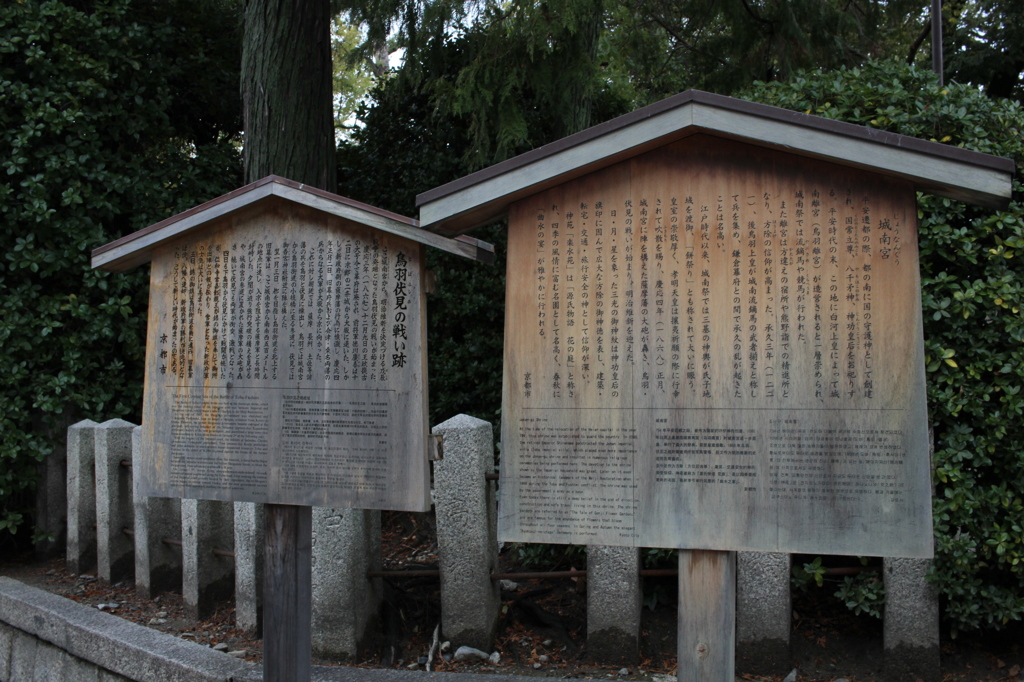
x: 766, y: 111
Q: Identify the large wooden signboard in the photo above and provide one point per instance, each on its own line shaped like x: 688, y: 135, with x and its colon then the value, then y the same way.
x: 288, y: 364
x: 716, y: 345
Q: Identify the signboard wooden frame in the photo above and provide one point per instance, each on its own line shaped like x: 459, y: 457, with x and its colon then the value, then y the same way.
x: 286, y: 350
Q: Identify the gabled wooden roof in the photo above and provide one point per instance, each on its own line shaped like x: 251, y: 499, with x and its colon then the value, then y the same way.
x: 932, y: 167
x: 137, y: 248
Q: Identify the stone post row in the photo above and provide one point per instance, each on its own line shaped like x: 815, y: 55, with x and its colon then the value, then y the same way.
x: 249, y: 566
x: 102, y: 504
x: 466, y: 512
x: 346, y: 603
x: 911, y: 628
x: 81, y: 493
x: 52, y: 489
x: 614, y: 601
x: 157, y: 563
x: 763, y: 613
x: 115, y: 549
x: 207, y: 543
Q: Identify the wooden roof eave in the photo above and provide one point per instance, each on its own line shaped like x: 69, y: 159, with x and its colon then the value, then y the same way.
x: 931, y: 167
x: 137, y: 248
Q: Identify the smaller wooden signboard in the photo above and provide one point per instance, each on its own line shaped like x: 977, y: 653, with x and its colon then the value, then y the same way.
x: 286, y: 354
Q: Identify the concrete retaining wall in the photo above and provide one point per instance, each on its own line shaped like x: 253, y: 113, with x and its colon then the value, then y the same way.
x: 46, y: 637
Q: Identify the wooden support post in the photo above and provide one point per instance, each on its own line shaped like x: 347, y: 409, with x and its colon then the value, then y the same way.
x: 287, y: 590
x: 707, y: 616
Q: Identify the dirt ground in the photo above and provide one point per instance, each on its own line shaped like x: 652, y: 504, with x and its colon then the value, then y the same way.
x: 542, y: 629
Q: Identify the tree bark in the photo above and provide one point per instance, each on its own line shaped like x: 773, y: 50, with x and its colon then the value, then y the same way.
x: 289, y: 131
x: 287, y: 92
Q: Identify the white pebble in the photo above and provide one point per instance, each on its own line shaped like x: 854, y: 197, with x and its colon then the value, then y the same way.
x: 468, y: 653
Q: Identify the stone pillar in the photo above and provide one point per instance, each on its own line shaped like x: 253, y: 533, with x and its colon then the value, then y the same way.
x: 249, y: 566
x: 346, y: 544
x: 464, y: 502
x: 157, y: 564
x: 52, y: 490
x: 115, y: 558
x: 81, y: 495
x: 207, y: 577
x: 763, y: 613
x: 614, y: 600
x: 911, y: 621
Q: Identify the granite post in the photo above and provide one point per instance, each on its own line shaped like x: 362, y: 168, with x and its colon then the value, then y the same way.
x: 157, y: 564
x: 911, y: 618
x: 249, y: 566
x: 207, y: 532
x: 52, y: 490
x: 911, y: 629
x: 346, y: 604
x: 81, y: 542
x: 115, y: 550
x: 466, y: 511
x: 614, y: 600
x: 763, y: 613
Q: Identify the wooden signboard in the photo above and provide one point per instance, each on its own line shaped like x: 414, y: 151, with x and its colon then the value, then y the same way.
x: 717, y: 345
x: 713, y: 339
x: 286, y: 349
x: 288, y: 364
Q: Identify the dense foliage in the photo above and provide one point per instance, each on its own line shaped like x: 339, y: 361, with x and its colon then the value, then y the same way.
x: 403, y: 148
x: 559, y: 62
x: 112, y: 116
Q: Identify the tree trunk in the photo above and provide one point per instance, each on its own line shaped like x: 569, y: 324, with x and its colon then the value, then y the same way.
x: 289, y: 131
x: 581, y: 92
x: 287, y: 92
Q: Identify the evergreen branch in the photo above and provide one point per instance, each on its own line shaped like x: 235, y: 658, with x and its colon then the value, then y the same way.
x: 919, y: 40
x: 679, y: 39
x: 750, y: 11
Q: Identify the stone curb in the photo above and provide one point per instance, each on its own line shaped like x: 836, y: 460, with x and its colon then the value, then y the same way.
x: 112, y: 643
x: 139, y: 653
x: 346, y: 674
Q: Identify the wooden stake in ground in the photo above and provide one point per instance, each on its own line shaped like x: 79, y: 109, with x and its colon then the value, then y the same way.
x: 287, y: 601
x: 707, y: 616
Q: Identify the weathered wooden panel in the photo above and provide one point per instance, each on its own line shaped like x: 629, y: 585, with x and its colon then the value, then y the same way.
x: 286, y: 364
x: 287, y: 593
x: 706, y: 637
x: 717, y: 346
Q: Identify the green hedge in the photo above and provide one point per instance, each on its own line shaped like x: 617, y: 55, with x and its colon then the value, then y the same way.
x: 110, y: 119
x: 972, y: 274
